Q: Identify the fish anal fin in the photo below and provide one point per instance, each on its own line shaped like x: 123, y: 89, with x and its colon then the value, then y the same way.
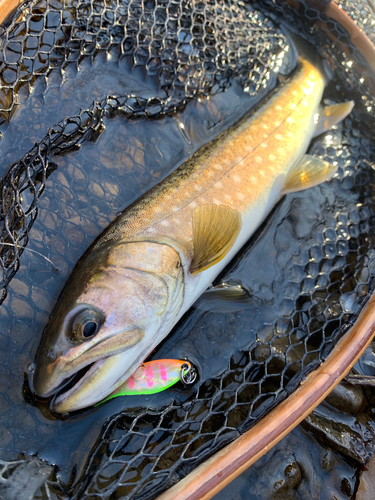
x: 308, y: 172
x: 331, y: 115
x: 215, y: 230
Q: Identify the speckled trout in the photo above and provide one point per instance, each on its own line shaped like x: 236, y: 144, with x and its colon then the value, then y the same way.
x: 153, y: 262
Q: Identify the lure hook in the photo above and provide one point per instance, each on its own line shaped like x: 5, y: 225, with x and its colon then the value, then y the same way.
x: 188, y: 374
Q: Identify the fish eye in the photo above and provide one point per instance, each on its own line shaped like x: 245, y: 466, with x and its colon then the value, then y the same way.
x: 86, y: 325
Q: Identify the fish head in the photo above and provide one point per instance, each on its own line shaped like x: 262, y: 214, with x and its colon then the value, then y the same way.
x: 104, y: 324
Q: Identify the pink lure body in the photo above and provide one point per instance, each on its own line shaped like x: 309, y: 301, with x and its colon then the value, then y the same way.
x: 151, y: 377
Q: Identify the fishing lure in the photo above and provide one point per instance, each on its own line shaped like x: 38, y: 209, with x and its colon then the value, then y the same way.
x: 155, y: 376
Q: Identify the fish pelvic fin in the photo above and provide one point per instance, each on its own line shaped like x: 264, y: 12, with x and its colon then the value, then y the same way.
x: 215, y: 230
x: 331, y: 115
x: 308, y: 172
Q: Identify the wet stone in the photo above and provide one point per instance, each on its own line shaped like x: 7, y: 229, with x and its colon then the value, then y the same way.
x: 22, y: 309
x: 5, y: 436
x: 346, y: 397
x: 20, y: 287
x: 22, y: 419
x: 42, y: 299
x: 4, y: 404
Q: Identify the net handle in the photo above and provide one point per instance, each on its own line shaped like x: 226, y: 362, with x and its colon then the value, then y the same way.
x: 219, y: 470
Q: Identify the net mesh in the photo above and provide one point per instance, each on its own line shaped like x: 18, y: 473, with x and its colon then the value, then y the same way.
x: 320, y: 241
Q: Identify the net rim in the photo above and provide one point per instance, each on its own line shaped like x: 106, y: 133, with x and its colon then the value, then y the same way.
x: 7, y: 7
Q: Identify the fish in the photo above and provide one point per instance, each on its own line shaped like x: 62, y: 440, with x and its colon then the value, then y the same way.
x: 154, y: 376
x: 152, y: 263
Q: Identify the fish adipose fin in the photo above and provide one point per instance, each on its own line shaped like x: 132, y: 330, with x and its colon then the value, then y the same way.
x: 331, y: 115
x: 308, y: 172
x: 215, y: 230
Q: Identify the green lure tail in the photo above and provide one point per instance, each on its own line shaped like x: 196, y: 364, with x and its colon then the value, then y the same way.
x: 154, y: 376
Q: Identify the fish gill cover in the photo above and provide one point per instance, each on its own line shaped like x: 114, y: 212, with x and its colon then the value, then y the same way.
x: 309, y: 269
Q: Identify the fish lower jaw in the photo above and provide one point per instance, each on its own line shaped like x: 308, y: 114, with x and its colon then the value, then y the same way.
x: 100, y: 380
x: 64, y: 401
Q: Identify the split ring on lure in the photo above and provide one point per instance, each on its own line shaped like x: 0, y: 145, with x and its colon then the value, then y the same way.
x: 155, y: 376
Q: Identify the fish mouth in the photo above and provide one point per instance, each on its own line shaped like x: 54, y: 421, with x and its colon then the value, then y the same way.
x: 95, y: 382
x: 74, y: 381
x: 72, y: 385
x: 79, y: 380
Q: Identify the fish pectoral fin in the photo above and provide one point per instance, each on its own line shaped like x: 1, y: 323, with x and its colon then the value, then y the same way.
x: 215, y: 230
x: 308, y: 172
x: 331, y: 115
x: 223, y: 299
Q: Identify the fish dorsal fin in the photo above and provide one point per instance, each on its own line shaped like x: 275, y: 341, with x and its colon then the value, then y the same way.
x: 331, y: 115
x: 215, y: 229
x: 308, y: 172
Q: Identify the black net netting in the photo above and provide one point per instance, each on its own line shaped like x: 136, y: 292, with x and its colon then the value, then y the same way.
x: 93, y: 95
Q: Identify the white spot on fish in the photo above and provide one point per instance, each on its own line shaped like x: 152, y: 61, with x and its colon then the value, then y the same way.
x: 252, y: 179
x: 175, y: 209
x: 218, y: 184
x: 278, y: 108
x: 164, y: 223
x: 240, y: 196
x: 279, y: 137
x: 294, y: 92
x: 210, y: 173
x: 265, y: 126
x: 237, y: 179
x: 304, y: 102
x: 293, y: 105
x: 262, y: 174
x: 219, y: 167
x: 249, y: 148
x: 198, y: 187
x: 290, y: 119
x: 193, y: 204
x: 216, y: 202
x: 272, y: 157
x: 277, y: 123
x: 264, y: 145
x: 290, y: 134
x: 258, y: 159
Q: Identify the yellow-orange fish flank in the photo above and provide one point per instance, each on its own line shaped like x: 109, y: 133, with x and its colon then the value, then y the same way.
x: 154, y: 260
